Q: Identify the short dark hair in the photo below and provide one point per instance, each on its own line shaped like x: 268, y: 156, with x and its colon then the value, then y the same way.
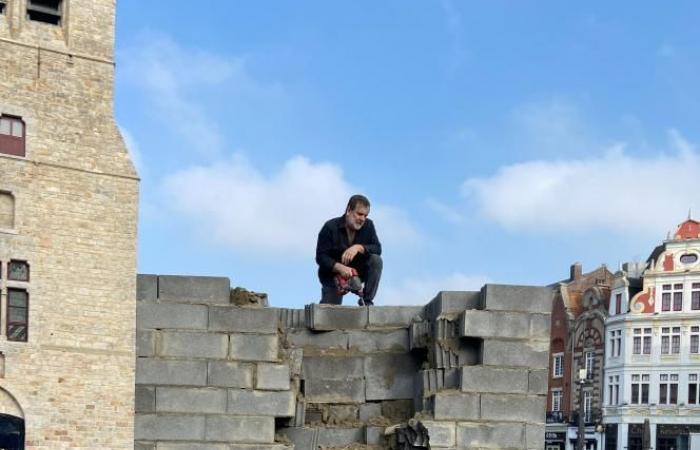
x: 355, y: 200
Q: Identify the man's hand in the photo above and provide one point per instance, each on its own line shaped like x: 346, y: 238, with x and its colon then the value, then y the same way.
x: 343, y: 270
x: 351, y: 252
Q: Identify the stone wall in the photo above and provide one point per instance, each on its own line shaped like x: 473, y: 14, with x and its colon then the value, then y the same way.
x: 468, y: 370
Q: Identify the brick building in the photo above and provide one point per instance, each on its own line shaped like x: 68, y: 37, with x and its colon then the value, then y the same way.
x: 577, y: 342
x: 68, y: 208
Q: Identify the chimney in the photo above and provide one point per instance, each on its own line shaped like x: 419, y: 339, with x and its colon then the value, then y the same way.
x: 576, y: 271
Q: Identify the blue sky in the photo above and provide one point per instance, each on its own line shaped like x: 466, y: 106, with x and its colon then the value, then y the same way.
x: 498, y: 141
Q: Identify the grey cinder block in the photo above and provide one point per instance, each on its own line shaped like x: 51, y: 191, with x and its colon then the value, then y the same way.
x: 393, y: 316
x: 501, y: 297
x: 369, y: 411
x: 188, y: 289
x: 493, y: 379
x: 419, y: 334
x: 340, y: 437
x: 333, y: 367
x: 254, y: 347
x: 145, y: 399
x: 540, y: 326
x: 311, y: 340
x: 243, y: 320
x: 475, y: 323
x: 326, y: 390
x: 374, y: 435
x: 144, y: 446
x: 538, y: 380
x: 526, y: 408
x: 192, y: 400
x: 452, y: 302
x: 230, y: 374
x: 193, y: 345
x: 146, y: 287
x: 442, y: 434
x: 171, y: 316
x: 515, y: 353
x: 378, y: 341
x: 490, y: 435
x: 302, y: 437
x: 272, y: 376
x: 455, y: 405
x: 240, y: 429
x: 165, y: 372
x: 390, y: 376
x: 145, y: 343
x: 534, y: 436
x: 168, y: 428
x: 261, y: 403
x: 331, y: 317
x: 190, y: 446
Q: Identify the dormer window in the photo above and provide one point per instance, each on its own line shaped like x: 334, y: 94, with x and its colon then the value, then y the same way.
x: 12, y: 135
x: 689, y: 258
x: 47, y: 11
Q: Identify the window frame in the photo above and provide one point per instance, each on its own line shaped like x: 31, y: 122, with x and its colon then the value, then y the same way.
x: 9, y: 323
x: 9, y: 143
x: 558, y: 357
x: 557, y: 399
x: 29, y: 273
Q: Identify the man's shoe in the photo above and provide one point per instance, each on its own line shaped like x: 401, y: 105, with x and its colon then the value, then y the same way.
x: 369, y: 303
x: 360, y: 302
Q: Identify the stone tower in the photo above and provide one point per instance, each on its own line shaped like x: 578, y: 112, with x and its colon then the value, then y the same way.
x: 68, y: 214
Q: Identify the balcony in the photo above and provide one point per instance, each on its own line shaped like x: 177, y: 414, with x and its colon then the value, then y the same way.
x: 591, y: 417
x: 556, y: 417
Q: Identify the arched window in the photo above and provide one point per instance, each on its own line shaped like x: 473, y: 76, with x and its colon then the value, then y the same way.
x: 11, y: 432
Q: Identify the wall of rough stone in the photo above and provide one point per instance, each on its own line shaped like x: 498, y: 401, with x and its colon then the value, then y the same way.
x: 467, y: 370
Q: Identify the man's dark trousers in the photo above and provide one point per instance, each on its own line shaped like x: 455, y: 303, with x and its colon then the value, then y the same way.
x: 369, y: 268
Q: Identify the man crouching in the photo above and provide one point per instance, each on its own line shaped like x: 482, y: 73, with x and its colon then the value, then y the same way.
x: 348, y: 248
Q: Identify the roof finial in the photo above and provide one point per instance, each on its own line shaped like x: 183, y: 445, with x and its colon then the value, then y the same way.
x: 690, y: 213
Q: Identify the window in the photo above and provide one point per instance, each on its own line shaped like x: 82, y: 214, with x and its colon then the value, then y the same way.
x: 614, y: 390
x: 589, y: 365
x: 641, y: 335
x: 668, y: 389
x: 693, y: 389
x: 18, y: 270
x: 2, y: 6
x: 694, y: 340
x: 618, y: 303
x: 678, y: 297
x: 556, y: 400
x: 695, y: 296
x: 17, y: 312
x: 558, y: 365
x: 640, y: 389
x: 670, y: 340
x: 615, y: 343
x: 47, y: 11
x: 666, y: 297
x: 587, y: 398
x: 689, y: 258
x: 12, y: 135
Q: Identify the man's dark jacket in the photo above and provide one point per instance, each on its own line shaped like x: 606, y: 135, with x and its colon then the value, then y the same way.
x: 333, y: 241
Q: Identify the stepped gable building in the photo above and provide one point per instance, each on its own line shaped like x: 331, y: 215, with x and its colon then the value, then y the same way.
x: 68, y: 210
x: 577, y: 342
x: 652, y: 368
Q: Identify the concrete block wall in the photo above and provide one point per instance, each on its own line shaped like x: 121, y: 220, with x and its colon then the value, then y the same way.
x: 469, y: 367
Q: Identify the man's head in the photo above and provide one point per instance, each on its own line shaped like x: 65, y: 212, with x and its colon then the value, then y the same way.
x: 356, y: 212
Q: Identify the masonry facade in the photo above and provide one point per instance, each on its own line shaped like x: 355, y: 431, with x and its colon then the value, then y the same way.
x: 68, y: 209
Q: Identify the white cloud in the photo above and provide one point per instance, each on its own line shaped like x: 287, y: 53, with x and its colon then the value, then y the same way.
x: 235, y: 204
x: 419, y: 291
x: 445, y: 211
x: 618, y: 192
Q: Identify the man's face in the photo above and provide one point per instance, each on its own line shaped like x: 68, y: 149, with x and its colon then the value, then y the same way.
x: 355, y: 218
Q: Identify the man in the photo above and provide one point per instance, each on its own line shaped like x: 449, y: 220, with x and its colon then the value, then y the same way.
x: 348, y: 246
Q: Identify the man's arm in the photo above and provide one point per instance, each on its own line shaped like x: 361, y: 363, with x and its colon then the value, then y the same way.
x: 324, y: 244
x: 373, y: 246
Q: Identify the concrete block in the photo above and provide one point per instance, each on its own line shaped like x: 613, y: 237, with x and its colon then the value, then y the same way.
x: 302, y: 438
x: 171, y: 316
x: 261, y: 403
x: 340, y: 437
x: 193, y: 345
x: 186, y: 289
x: 314, y: 340
x: 540, y: 326
x: 261, y: 447
x: 243, y: 320
x: 374, y: 435
x: 534, y: 436
x: 493, y: 379
x: 192, y: 400
x: 272, y: 377
x: 291, y: 318
x: 151, y: 427
x: 369, y: 411
x: 448, y: 303
x: 331, y: 317
x: 230, y: 374
x: 145, y: 343
x: 483, y: 324
x: 419, y: 335
x: 490, y: 435
x: 394, y: 316
x: 501, y: 297
x: 254, y: 347
x: 456, y: 405
x: 378, y: 341
x: 146, y: 288
x: 333, y: 367
x: 144, y: 446
x: 325, y: 390
x: 251, y: 429
x: 538, y: 380
x: 145, y: 399
x: 190, y: 446
x: 294, y: 357
x: 524, y: 408
x: 442, y: 434
x: 515, y: 353
x: 390, y: 376
x: 342, y: 414
x: 167, y: 372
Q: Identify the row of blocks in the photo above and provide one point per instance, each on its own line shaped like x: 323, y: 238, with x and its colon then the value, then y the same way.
x: 144, y: 445
x: 206, y: 428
